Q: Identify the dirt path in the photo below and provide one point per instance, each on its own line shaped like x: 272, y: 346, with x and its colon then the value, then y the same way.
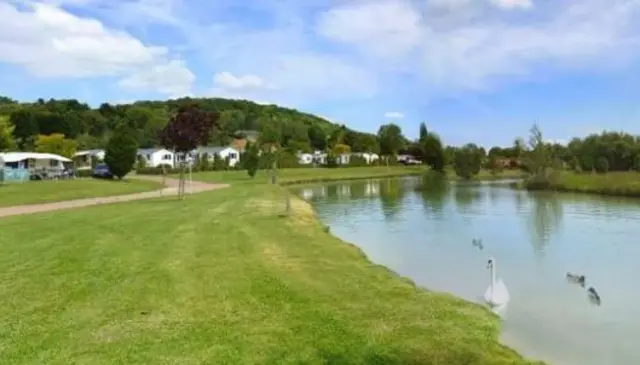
x: 171, y: 188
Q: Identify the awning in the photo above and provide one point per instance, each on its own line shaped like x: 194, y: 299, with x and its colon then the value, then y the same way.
x: 9, y: 157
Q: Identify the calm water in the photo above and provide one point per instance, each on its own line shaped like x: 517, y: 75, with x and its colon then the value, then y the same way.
x: 426, y: 234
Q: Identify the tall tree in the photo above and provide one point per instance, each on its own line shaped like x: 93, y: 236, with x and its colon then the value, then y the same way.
x: 121, y: 151
x: 390, y: 139
x: 57, y: 144
x: 317, y: 138
x: 189, y: 128
x: 423, y: 131
x: 468, y: 161
x: 434, y: 153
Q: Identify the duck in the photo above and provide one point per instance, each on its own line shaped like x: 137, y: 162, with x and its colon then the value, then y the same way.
x: 477, y: 243
x: 577, y: 279
x: 496, y: 294
x: 594, y: 297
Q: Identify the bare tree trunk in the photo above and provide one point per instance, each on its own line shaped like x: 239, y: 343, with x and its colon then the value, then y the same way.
x: 274, y: 168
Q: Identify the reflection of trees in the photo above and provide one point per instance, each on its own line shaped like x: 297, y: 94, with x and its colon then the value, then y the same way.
x: 358, y: 189
x: 467, y: 197
x: 434, y: 191
x: 546, y: 219
x: 332, y: 192
x: 391, y: 194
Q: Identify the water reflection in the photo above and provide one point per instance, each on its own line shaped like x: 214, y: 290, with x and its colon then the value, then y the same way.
x: 423, y: 229
x: 546, y: 219
x: 391, y: 194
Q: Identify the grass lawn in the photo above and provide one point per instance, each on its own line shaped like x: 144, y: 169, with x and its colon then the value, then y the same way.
x: 218, y: 279
x: 625, y: 183
x: 33, y: 192
x: 306, y: 175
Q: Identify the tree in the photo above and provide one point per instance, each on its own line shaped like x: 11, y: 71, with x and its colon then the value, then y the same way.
x: 434, y: 154
x: 493, y: 165
x: 423, y: 131
x: 270, y: 142
x: 252, y: 159
x: 7, y: 142
x: 120, y: 154
x: 57, y: 144
x: 390, y: 140
x: 189, y: 128
x: 317, y: 138
x: 468, y: 161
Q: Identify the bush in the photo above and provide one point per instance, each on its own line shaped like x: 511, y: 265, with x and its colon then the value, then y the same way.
x: 356, y: 161
x: 84, y: 173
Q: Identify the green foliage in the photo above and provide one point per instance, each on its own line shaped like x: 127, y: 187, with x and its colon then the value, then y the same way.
x: 468, y: 161
x: 204, y: 163
x: 357, y: 161
x: 219, y: 163
x: 252, y: 159
x: 494, y: 167
x: 57, y: 144
x: 390, y: 139
x: 602, y: 165
x: 434, y: 153
x: 120, y: 154
x: 7, y: 141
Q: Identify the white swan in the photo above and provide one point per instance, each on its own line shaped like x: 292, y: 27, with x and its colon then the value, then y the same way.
x: 497, y: 293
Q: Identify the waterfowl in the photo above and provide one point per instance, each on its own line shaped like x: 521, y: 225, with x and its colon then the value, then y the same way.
x: 477, y: 243
x: 577, y: 279
x: 594, y: 297
x: 496, y: 294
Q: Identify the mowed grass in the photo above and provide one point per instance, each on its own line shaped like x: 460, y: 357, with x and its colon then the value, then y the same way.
x: 309, y: 175
x: 625, y: 183
x: 304, y: 175
x: 220, y: 278
x: 34, y: 192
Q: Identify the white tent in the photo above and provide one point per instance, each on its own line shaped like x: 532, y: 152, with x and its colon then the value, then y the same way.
x: 9, y: 157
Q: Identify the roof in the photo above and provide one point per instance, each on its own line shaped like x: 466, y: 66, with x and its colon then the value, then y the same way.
x: 148, y: 151
x: 88, y: 152
x: 213, y: 150
x: 19, y: 156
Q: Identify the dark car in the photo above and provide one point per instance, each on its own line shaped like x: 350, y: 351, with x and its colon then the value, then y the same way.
x: 102, y: 171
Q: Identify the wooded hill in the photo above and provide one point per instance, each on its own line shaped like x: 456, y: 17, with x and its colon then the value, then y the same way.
x: 91, y: 128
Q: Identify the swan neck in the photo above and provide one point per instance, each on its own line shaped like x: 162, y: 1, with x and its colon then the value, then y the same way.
x: 493, y: 274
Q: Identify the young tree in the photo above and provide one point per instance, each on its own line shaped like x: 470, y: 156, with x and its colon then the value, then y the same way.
x: 189, y: 128
x: 423, y: 131
x: 120, y: 154
x: 390, y: 140
x: 57, y: 144
x: 252, y: 160
x: 270, y: 142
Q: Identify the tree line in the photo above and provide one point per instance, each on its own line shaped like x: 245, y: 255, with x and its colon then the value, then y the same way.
x: 64, y: 126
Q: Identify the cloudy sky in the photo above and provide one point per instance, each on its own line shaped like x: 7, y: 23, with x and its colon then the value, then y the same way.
x: 474, y: 70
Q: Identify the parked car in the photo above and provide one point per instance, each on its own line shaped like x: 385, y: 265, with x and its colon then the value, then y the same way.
x: 102, y: 171
x: 410, y: 161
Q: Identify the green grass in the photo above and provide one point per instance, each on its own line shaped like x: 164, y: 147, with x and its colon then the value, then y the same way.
x: 221, y: 278
x: 613, y: 183
x: 33, y: 192
x: 308, y: 175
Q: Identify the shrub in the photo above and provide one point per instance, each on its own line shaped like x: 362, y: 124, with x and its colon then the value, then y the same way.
x: 602, y: 165
x: 355, y: 161
x: 120, y: 154
x: 156, y: 171
x: 84, y: 173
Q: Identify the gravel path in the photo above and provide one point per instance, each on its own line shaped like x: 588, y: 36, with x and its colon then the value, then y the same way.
x: 171, y: 188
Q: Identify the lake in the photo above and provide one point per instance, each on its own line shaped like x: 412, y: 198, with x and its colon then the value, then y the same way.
x: 425, y: 231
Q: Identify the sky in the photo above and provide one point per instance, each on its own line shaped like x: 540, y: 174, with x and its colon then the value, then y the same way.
x: 478, y: 71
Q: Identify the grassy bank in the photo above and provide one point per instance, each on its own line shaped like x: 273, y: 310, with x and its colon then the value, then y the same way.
x: 613, y: 183
x: 308, y: 175
x: 34, y: 192
x: 219, y: 279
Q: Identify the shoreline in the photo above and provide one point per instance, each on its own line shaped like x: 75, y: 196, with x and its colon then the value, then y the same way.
x: 406, y: 280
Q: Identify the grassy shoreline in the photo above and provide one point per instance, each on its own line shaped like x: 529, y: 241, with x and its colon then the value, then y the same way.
x: 620, y: 184
x: 319, y: 175
x: 36, y: 192
x: 108, y: 296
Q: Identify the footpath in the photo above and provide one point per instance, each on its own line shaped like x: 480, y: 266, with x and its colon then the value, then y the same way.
x: 171, y: 188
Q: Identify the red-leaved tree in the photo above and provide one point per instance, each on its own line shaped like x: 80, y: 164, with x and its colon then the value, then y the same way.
x: 188, y: 129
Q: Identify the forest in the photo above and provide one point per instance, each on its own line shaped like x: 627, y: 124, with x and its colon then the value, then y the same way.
x: 31, y: 125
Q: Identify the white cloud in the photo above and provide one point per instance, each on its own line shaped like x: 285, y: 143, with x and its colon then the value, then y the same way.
x: 227, y: 81
x: 394, y: 115
x: 513, y: 4
x: 464, y: 44
x: 51, y: 42
x: 171, y: 78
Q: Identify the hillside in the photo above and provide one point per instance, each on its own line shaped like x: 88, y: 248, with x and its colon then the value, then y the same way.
x: 91, y: 128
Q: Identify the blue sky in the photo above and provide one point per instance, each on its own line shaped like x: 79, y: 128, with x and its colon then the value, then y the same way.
x: 473, y: 70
